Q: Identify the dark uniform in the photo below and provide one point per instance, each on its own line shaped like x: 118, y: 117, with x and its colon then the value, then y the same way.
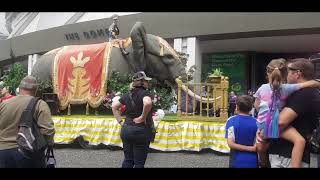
x: 135, y: 136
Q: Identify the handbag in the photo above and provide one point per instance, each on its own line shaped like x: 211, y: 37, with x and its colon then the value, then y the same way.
x: 50, y: 159
x: 314, y: 141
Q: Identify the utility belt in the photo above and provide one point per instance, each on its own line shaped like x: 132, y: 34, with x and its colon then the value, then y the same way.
x: 131, y: 123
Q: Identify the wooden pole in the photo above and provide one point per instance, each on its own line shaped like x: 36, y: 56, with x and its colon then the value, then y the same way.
x: 208, y: 104
x: 87, y: 109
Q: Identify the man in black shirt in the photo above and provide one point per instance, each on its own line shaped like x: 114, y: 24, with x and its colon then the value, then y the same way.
x: 136, y: 130
x: 300, y: 111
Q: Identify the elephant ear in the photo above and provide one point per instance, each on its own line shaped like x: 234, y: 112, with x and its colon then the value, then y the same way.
x: 138, y: 37
x: 144, y: 45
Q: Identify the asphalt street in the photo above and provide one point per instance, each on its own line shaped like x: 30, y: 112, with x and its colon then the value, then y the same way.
x: 106, y: 157
x: 73, y: 156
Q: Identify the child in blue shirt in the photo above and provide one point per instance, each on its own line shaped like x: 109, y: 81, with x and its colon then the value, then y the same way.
x: 241, y: 133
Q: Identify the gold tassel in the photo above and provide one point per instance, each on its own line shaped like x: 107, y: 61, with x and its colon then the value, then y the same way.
x: 69, y: 110
x: 87, y: 109
x: 161, y: 50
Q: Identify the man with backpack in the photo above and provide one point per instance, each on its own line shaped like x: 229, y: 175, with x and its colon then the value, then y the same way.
x: 12, y: 153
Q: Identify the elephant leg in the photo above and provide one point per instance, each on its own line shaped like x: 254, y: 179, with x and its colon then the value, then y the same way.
x: 138, y: 37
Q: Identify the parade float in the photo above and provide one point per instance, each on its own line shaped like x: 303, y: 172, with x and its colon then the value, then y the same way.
x: 75, y: 80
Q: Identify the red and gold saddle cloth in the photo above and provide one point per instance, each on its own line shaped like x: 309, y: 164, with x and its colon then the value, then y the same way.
x: 79, y: 74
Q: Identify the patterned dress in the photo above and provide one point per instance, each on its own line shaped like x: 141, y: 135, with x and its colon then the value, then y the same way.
x: 271, y: 103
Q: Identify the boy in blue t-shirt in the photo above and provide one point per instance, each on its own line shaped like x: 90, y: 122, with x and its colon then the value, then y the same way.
x: 241, y: 133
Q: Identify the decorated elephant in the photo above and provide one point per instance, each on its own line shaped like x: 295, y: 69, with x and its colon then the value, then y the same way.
x: 78, y: 72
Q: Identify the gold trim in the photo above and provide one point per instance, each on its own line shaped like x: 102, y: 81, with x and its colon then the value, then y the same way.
x: 163, y: 43
x: 161, y: 49
x: 126, y: 42
x: 94, y: 102
x: 63, y: 104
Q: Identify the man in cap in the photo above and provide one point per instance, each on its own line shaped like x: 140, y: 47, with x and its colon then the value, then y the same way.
x: 114, y: 33
x: 10, y: 113
x: 135, y: 132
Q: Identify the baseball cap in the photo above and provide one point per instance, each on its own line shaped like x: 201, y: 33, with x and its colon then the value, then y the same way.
x: 141, y: 75
x: 28, y: 82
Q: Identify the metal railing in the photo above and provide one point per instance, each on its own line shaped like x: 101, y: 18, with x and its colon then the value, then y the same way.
x: 210, y: 100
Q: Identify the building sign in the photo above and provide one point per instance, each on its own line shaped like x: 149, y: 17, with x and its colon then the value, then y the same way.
x: 232, y: 65
x: 92, y: 34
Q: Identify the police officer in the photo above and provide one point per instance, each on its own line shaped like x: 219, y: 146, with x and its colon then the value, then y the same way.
x: 114, y: 33
x: 135, y: 132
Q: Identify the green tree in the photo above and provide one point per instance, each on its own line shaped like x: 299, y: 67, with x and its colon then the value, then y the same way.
x: 121, y: 82
x: 44, y: 87
x: 14, y: 75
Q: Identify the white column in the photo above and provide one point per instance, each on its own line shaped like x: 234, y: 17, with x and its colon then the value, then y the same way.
x: 32, y: 59
x: 177, y: 44
x: 193, y: 49
x: 30, y: 64
x: 198, y: 61
x: 35, y: 58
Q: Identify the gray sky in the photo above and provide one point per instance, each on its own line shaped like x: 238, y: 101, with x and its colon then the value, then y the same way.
x: 87, y: 17
x: 3, y: 29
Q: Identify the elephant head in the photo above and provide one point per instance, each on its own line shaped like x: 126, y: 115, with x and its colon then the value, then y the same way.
x: 158, y: 59
x: 155, y: 56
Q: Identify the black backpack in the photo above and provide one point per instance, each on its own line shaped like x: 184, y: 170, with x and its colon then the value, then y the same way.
x: 31, y: 143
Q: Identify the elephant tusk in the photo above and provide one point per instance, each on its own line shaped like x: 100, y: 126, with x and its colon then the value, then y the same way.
x: 192, y: 94
x: 203, y: 99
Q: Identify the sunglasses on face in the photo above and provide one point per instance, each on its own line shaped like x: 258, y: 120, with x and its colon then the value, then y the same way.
x: 293, y: 69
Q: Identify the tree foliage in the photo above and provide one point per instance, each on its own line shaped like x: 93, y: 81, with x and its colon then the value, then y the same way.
x: 161, y: 93
x: 14, y: 75
x: 44, y: 87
